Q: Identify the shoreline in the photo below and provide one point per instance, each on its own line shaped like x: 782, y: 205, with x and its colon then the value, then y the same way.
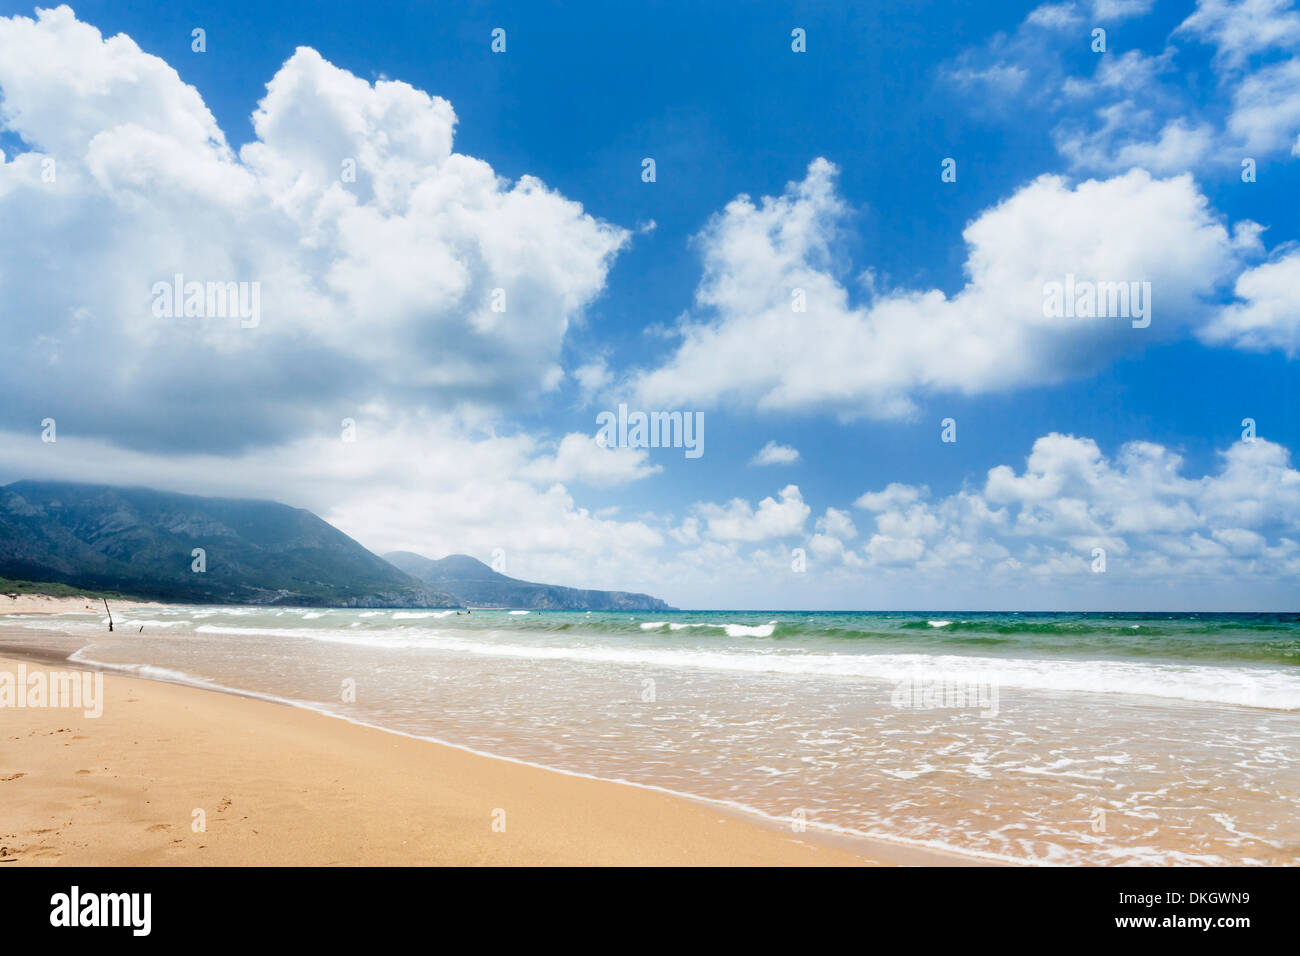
x: 588, y: 820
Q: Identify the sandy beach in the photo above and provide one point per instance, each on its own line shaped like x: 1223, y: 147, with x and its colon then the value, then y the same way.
x: 282, y: 786
x: 49, y: 604
x: 395, y: 736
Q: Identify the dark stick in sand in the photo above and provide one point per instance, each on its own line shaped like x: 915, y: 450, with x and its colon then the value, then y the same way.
x: 110, y: 616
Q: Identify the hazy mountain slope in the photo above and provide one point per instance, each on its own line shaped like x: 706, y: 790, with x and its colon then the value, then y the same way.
x: 479, y: 586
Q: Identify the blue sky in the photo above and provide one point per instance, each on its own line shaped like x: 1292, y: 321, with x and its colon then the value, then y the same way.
x: 1159, y: 124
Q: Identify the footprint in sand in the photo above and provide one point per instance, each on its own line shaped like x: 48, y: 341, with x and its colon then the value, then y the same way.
x: 158, y: 826
x: 82, y: 773
x: 88, y: 800
x: 12, y: 776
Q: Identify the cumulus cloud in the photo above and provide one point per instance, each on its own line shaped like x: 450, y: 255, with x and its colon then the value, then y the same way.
x: 1070, y: 499
x: 579, y: 458
x: 1118, y: 141
x: 775, y: 454
x: 1266, y: 314
x: 833, y: 530
x: 737, y: 520
x: 875, y: 358
x: 424, y: 277
x: 894, y: 495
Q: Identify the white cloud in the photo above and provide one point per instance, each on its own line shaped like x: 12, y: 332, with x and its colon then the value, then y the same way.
x: 836, y: 524
x: 1003, y: 79
x: 895, y: 494
x: 1054, y: 16
x: 833, y: 530
x: 1263, y: 116
x: 1111, y: 10
x: 998, y: 74
x: 592, y: 378
x: 739, y: 521
x: 1070, y: 499
x: 774, y: 454
x: 874, y: 359
x: 1241, y: 30
x: 364, y: 285
x: 579, y: 458
x: 1118, y: 141
x: 1139, y: 109
x: 1266, y: 109
x: 1267, y: 315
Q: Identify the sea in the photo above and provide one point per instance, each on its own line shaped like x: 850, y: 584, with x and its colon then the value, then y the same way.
x: 1053, y: 739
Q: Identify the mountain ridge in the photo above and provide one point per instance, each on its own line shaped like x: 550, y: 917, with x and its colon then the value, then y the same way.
x: 480, y: 586
x: 141, y: 541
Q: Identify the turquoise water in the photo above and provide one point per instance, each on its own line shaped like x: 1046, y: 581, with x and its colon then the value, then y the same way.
x: 1246, y: 638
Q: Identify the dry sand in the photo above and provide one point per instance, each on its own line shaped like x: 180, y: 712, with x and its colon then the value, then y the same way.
x: 283, y: 786
x: 47, y: 604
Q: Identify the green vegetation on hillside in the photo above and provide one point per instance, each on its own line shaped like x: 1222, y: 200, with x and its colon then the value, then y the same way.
x: 12, y: 588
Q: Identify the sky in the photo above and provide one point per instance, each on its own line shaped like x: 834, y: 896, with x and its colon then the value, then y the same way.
x: 831, y: 236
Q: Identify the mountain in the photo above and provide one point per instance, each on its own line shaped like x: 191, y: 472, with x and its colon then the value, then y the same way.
x: 140, y: 542
x: 479, y: 586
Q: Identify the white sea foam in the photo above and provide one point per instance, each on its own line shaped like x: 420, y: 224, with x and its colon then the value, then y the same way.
x: 732, y: 630
x: 1241, y: 685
